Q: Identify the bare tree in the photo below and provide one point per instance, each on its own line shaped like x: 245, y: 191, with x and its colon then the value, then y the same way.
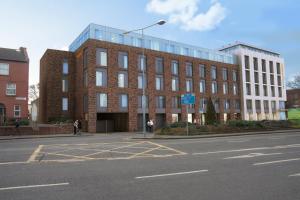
x: 294, y: 84
x: 34, y: 91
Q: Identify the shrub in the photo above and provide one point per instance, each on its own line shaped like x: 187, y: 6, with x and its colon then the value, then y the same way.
x: 211, y: 117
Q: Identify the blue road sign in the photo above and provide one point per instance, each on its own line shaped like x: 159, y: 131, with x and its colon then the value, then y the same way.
x: 188, y: 99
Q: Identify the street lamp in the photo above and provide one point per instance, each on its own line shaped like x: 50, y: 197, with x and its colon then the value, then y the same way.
x: 160, y: 22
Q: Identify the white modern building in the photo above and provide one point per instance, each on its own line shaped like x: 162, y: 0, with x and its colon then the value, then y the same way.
x: 263, y: 92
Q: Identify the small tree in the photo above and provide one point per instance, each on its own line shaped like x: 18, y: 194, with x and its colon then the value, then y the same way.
x: 211, y: 117
x: 34, y: 91
x: 294, y: 84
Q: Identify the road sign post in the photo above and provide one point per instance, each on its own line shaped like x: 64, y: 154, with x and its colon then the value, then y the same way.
x: 187, y: 99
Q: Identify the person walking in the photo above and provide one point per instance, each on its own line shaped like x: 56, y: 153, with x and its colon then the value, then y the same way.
x: 75, y: 126
x: 150, y: 125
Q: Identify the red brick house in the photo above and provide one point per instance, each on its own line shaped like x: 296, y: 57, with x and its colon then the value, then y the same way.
x: 14, y: 66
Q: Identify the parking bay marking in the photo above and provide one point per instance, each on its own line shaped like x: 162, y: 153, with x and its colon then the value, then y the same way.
x: 295, y: 174
x: 252, y: 155
x: 171, y: 174
x: 276, y: 161
x: 33, y: 186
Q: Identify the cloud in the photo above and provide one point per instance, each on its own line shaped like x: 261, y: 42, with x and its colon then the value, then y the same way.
x: 185, y: 13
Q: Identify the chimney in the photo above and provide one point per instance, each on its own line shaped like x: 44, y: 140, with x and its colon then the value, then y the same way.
x: 24, y: 51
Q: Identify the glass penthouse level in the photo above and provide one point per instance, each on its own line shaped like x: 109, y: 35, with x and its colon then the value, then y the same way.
x: 104, y: 33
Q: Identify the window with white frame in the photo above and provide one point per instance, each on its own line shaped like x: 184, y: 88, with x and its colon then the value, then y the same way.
x: 213, y: 72
x: 142, y: 62
x: 101, y: 57
x: 4, y: 69
x: 159, y: 82
x: 141, y: 82
x: 123, y: 100
x: 65, y: 66
x: 202, y: 86
x: 101, y: 100
x: 65, y: 84
x: 123, y: 60
x: 101, y: 77
x: 11, y: 89
x: 122, y: 79
x: 225, y: 88
x: 214, y: 87
x: 17, y: 111
x: 64, y: 104
x: 202, y: 70
x: 174, y: 67
x: 175, y: 84
x: 189, y: 85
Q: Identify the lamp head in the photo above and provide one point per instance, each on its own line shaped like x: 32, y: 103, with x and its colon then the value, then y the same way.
x: 161, y: 22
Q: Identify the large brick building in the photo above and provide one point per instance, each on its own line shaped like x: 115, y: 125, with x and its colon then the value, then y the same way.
x: 293, y: 98
x: 99, y: 81
x: 14, y: 66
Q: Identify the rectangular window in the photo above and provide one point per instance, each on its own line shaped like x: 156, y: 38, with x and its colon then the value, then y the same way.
x: 257, y: 105
x: 278, y: 68
x: 123, y: 60
x: 101, y: 57
x: 265, y: 90
x: 225, y: 88
x: 272, y: 91
x: 272, y: 79
x: 271, y: 67
x: 226, y: 104
x: 247, y: 64
x: 257, y: 93
x: 85, y: 78
x: 279, y: 80
x: 123, y: 100
x: 213, y: 73
x: 101, y: 100
x: 65, y: 66
x: 142, y: 63
x: 266, y: 106
x: 17, y: 111
x: 249, y: 105
x: 11, y: 89
x: 234, y: 75
x: 175, y: 84
x: 159, y: 67
x: 235, y: 89
x: 189, y: 85
x: 248, y: 89
x: 225, y: 74
x: 279, y: 92
x: 140, y: 101
x: 247, y: 76
x: 85, y: 58
x: 202, y: 105
x: 256, y: 78
x: 216, y: 104
x: 159, y: 82
x: 141, y: 82
x: 214, y: 87
x: 202, y: 86
x: 237, y: 105
x: 160, y: 102
x: 122, y: 79
x: 4, y: 69
x: 273, y: 106
x: 264, y: 75
x: 189, y: 69
x: 255, y: 64
x: 174, y: 67
x: 263, y: 65
x: 202, y: 71
x: 281, y: 105
x: 64, y: 104
x: 65, y: 84
x: 176, y: 103
x: 101, y: 77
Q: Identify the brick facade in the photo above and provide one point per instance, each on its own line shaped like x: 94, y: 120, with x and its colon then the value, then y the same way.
x: 51, y: 75
x: 293, y: 98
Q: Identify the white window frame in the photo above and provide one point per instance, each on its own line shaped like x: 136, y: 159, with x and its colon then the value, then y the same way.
x: 4, y: 69
x: 11, y: 89
x: 17, y: 110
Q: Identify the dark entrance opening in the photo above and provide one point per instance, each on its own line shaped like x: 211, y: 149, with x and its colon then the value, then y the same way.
x: 112, y: 122
x: 160, y: 120
x: 2, y: 114
x: 140, y: 121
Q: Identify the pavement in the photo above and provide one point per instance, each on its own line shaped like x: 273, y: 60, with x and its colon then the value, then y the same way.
x: 114, y: 166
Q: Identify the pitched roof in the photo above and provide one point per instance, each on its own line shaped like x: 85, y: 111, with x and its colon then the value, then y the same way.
x: 19, y: 55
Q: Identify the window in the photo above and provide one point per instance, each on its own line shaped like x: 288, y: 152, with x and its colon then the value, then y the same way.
x: 263, y: 65
x: 214, y: 87
x: 140, y: 101
x: 189, y: 85
x: 85, y: 103
x: 101, y: 57
x: 159, y: 82
x: 247, y: 65
x: 216, y: 104
x: 122, y: 79
x: 234, y: 75
x: 11, y: 89
x: 123, y: 60
x: 202, y: 105
x: 249, y: 105
x: 278, y: 68
x: 257, y: 105
x: 175, y: 84
x: 281, y: 105
x: 279, y: 92
x: 202, y: 71
x: 174, y: 67
x: 17, y: 111
x: 159, y: 67
x: 255, y: 64
x: 279, y: 80
x: 226, y: 104
x: 175, y: 118
x: 202, y: 86
x: 176, y: 103
x: 64, y: 104
x: 101, y: 77
x: 235, y: 89
x: 101, y: 100
x: 264, y: 75
x: 248, y: 89
x: 265, y: 90
x: 85, y: 57
x: 271, y: 67
x: 65, y: 84
x: 257, y: 93
x: 266, y: 106
x: 141, y: 82
x: 85, y: 78
x: 123, y: 100
x: 189, y: 69
x: 256, y: 78
x: 225, y: 88
x: 225, y: 74
x: 213, y: 72
x: 142, y: 63
x: 65, y: 67
x: 160, y: 102
x: 4, y: 69
x: 272, y: 91
x: 237, y: 105
x: 272, y: 79
x: 247, y: 76
x: 273, y: 106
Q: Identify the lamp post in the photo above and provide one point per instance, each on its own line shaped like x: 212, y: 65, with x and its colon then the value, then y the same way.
x: 160, y: 22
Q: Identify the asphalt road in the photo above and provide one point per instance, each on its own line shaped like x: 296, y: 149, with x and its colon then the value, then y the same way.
x: 115, y: 167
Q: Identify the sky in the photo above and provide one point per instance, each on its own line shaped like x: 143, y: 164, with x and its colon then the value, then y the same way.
x: 54, y: 24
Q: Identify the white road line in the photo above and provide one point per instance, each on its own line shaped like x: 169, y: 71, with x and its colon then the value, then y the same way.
x: 295, y: 174
x: 13, y: 163
x: 171, y: 174
x: 237, y: 140
x: 277, y: 161
x: 33, y: 186
x: 250, y: 149
x: 34, y: 154
x: 252, y: 155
